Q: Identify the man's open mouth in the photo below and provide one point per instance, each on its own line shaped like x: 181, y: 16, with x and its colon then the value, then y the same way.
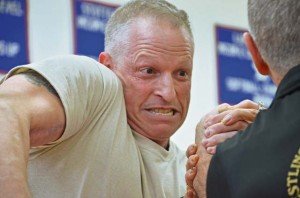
x: 165, y: 112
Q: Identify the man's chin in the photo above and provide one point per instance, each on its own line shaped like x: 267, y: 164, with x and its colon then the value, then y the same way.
x: 154, y: 129
x: 162, y: 132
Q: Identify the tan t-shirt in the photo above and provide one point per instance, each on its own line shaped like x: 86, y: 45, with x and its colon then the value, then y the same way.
x: 98, y: 155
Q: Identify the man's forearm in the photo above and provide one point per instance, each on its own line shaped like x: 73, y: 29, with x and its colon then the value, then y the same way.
x: 14, y: 149
x: 203, y: 163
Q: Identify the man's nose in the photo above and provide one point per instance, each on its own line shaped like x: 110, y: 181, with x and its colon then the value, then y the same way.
x: 165, y: 88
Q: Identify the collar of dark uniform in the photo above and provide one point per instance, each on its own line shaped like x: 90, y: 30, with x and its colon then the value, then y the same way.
x: 289, y: 83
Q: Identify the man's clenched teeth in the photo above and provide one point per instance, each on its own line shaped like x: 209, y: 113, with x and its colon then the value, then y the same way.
x: 166, y: 112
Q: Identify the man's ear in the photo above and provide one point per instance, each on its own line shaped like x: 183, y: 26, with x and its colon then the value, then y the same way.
x: 105, y: 59
x: 259, y: 62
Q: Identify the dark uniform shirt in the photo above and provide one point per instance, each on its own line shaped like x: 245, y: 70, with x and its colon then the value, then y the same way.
x: 264, y: 160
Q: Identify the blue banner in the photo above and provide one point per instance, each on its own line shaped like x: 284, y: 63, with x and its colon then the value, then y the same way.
x: 237, y: 76
x: 90, y: 19
x: 13, y: 34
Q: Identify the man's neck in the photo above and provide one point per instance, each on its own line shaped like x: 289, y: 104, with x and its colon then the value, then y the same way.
x: 277, y: 78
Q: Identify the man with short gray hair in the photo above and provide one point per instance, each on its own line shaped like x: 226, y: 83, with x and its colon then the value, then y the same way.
x: 263, y: 160
x: 71, y: 127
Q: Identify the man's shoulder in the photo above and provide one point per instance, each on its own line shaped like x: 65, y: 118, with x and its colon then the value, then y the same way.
x: 66, y: 61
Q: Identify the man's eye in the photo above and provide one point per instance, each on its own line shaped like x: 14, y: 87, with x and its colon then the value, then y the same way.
x: 182, y: 73
x: 148, y: 70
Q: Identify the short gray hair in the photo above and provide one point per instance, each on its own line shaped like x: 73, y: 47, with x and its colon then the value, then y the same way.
x: 124, y: 15
x: 275, y: 27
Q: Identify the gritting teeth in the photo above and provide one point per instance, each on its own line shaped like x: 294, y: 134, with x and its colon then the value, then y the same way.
x: 168, y: 112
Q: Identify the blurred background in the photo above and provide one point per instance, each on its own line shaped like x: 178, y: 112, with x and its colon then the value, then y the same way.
x: 223, y: 72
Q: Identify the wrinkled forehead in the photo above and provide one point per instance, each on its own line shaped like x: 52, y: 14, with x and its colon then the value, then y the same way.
x: 158, y: 41
x: 153, y: 30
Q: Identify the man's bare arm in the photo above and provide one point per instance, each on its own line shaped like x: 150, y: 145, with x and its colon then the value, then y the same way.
x: 31, y: 114
x: 203, y: 163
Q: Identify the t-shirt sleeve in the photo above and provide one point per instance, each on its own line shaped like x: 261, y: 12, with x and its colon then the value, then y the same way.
x: 216, y: 185
x: 85, y: 87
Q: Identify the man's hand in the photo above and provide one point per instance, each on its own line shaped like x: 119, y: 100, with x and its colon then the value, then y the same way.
x: 191, y: 170
x: 199, y: 183
x: 217, y: 126
x: 225, y: 121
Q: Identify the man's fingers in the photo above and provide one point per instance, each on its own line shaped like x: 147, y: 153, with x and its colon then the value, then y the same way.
x: 215, y: 119
x: 230, y: 116
x: 247, y: 104
x: 190, y: 176
x: 191, y: 150
x: 247, y: 108
x: 192, y: 161
x: 190, y: 193
x: 233, y: 116
x: 211, y: 150
x: 221, y: 128
x: 211, y: 119
x: 223, y: 107
x: 217, y: 139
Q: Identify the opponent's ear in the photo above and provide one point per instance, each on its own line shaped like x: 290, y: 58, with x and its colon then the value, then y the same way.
x: 105, y: 59
x: 259, y: 62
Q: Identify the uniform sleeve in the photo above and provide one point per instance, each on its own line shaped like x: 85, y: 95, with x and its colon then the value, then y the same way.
x: 85, y: 87
x: 216, y: 185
